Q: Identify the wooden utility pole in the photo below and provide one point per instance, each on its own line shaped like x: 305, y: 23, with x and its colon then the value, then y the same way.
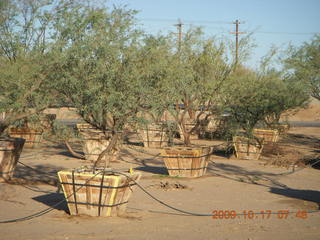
x: 237, y: 22
x: 179, y: 26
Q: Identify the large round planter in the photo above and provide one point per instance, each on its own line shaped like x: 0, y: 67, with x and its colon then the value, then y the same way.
x: 188, y: 162
x: 32, y: 136
x: 246, y: 148
x: 97, y: 193
x: 94, y: 142
x: 154, y: 136
x: 10, y: 150
x: 268, y: 135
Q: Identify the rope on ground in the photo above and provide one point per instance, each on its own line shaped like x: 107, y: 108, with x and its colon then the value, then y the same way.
x: 37, y: 170
x: 187, y: 213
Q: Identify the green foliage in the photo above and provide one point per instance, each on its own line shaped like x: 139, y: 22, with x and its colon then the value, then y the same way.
x: 64, y: 133
x: 23, y: 77
x: 97, y: 68
x: 190, y: 78
x: 254, y: 98
x: 156, y: 69
x: 303, y: 65
x: 96, y: 60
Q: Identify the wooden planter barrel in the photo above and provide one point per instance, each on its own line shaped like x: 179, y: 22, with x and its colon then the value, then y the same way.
x: 32, y: 136
x: 246, y: 148
x: 94, y: 142
x: 10, y: 150
x: 186, y: 161
x: 97, y: 193
x: 154, y: 136
x: 268, y: 135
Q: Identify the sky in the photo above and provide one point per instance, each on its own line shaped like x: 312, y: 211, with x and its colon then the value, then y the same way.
x: 271, y: 22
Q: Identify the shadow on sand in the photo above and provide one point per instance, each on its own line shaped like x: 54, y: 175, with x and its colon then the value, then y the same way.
x: 53, y: 200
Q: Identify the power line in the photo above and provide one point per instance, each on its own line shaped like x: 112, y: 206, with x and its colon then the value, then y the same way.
x: 186, y: 21
x: 208, y: 22
x: 289, y: 33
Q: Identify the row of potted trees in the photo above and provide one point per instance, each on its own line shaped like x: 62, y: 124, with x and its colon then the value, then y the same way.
x: 115, y: 76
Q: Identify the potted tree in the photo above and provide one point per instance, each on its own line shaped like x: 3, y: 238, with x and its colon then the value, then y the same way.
x: 97, y: 74
x: 252, y: 97
x: 156, y: 129
x: 23, y: 82
x: 29, y: 128
x: 94, y: 141
x: 193, y: 78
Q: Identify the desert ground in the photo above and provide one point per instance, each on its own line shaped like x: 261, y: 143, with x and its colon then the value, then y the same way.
x: 280, y: 181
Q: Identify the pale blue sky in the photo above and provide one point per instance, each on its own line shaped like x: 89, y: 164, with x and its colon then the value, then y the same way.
x: 274, y: 22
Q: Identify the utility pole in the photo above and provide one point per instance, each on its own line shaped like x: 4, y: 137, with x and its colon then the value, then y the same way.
x: 179, y: 26
x: 237, y: 22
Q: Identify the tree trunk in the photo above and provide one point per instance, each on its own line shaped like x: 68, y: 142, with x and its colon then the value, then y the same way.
x: 192, y: 114
x: 186, y: 136
x: 111, y: 145
x: 73, y: 153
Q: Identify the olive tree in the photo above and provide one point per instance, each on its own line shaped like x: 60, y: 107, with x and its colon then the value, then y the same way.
x: 303, y: 64
x: 23, y: 78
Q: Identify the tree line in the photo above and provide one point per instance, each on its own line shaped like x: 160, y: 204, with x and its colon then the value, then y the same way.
x: 98, y: 60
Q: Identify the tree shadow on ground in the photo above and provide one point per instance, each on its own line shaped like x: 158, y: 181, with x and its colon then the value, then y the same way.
x: 226, y: 153
x: 313, y: 160
x: 153, y: 165
x: 301, y: 139
x: 239, y: 174
x: 265, y: 179
x: 138, y: 159
x: 37, y: 174
x: 306, y: 195
x: 133, y: 138
x: 53, y: 147
x: 153, y: 169
x: 53, y: 200
x: 134, y: 143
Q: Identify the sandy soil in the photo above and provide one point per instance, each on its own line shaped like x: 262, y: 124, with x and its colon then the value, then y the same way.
x: 229, y: 184
x: 309, y: 114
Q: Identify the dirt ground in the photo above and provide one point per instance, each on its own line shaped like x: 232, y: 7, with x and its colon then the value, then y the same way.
x: 309, y: 114
x: 229, y: 184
